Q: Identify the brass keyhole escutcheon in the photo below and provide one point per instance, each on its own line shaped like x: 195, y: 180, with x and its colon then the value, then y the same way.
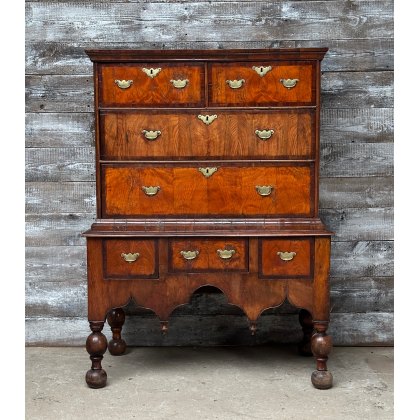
x: 207, y: 119
x: 152, y: 72
x: 207, y: 172
x: 261, y: 70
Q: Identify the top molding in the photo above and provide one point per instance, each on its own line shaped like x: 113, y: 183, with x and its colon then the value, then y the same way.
x: 113, y: 56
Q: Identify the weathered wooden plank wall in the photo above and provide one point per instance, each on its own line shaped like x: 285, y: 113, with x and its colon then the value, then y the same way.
x: 356, y: 188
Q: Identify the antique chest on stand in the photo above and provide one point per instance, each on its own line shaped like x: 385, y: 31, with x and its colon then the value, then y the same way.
x: 207, y: 173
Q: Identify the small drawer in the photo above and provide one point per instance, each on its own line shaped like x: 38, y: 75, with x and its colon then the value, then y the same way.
x: 169, y: 85
x: 130, y: 259
x: 288, y: 258
x: 283, y: 84
x: 207, y: 255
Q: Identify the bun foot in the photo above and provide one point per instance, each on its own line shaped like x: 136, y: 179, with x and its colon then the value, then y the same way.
x: 96, y: 345
x: 117, y: 347
x: 96, y: 378
x: 322, y: 379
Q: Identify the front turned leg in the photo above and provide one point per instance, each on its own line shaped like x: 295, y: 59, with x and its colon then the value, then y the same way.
x: 321, y: 344
x: 305, y: 320
x: 96, y: 345
x: 116, y: 318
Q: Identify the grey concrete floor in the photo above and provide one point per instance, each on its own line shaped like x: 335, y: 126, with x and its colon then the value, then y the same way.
x: 209, y: 383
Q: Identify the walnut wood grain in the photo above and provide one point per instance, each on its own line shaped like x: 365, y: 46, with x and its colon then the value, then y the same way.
x: 232, y: 135
x: 146, y: 91
x: 185, y: 191
x: 163, y: 223
x: 266, y: 90
x: 207, y: 259
x: 145, y: 266
x: 272, y: 266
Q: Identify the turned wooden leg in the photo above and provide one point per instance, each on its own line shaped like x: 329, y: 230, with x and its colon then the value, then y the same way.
x: 96, y: 345
x: 305, y: 320
x: 321, y: 347
x: 116, y: 318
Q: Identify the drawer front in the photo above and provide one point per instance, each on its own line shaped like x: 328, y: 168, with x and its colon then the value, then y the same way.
x: 241, y: 84
x: 123, y: 85
x: 198, y: 255
x: 286, y: 258
x: 236, y: 135
x: 126, y: 259
x: 136, y: 191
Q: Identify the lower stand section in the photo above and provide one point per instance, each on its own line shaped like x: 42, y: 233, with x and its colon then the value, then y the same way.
x: 96, y: 345
x: 321, y: 345
x: 116, y: 319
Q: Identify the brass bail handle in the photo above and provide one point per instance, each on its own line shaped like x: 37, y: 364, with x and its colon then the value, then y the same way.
x: 226, y: 254
x: 286, y: 256
x: 190, y: 254
x: 130, y: 257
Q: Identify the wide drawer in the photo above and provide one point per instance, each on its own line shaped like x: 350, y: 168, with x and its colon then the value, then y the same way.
x: 197, y: 255
x: 169, y: 85
x: 184, y: 134
x: 218, y: 190
x: 244, y: 84
x: 285, y: 258
x: 126, y: 259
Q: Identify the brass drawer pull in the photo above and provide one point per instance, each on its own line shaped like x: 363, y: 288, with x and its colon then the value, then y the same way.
x: 207, y: 172
x: 264, y: 190
x: 289, y: 83
x: 264, y: 134
x: 189, y: 255
x: 286, y: 256
x: 235, y: 84
x: 207, y: 119
x: 261, y: 70
x: 130, y: 258
x: 151, y: 135
x: 179, y: 84
x: 152, y: 72
x: 151, y: 190
x: 123, y: 84
x: 225, y: 254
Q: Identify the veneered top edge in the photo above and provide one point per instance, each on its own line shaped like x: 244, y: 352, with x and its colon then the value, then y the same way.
x: 132, y: 55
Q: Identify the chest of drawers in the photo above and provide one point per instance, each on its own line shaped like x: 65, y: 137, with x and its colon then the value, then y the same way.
x: 207, y: 174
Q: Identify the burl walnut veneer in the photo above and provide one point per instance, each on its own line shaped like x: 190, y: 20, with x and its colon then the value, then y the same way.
x: 207, y: 174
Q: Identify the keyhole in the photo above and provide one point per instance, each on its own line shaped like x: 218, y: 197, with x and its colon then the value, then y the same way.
x: 151, y: 72
x: 207, y: 118
x: 207, y: 171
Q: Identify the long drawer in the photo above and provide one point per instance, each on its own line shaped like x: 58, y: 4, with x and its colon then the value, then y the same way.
x: 182, y: 134
x: 219, y: 190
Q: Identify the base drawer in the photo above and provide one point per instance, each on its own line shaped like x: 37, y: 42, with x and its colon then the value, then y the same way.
x: 198, y: 255
x: 291, y: 258
x: 126, y: 259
